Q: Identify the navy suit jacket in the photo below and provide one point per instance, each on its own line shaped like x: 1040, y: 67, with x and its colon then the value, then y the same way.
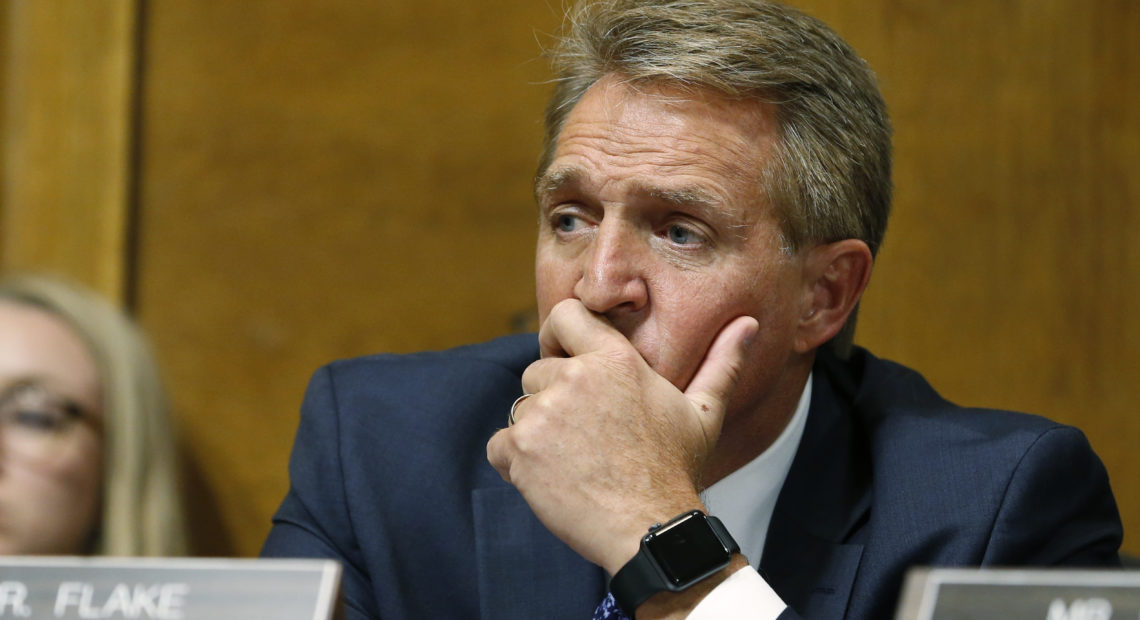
x: 389, y: 475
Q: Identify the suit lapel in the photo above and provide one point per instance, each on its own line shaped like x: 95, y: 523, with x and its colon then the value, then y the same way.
x: 812, y: 551
x: 524, y: 571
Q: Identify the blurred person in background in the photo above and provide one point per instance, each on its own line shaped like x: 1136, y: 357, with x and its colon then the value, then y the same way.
x: 87, y: 453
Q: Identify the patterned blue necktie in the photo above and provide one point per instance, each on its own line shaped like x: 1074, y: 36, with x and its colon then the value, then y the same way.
x: 608, y: 610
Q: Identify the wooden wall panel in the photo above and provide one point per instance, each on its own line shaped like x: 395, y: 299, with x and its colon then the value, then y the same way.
x: 324, y: 180
x: 66, y: 124
x: 1008, y: 274
x: 5, y: 39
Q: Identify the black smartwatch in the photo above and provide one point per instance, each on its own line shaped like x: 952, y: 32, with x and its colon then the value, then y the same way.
x: 673, y: 557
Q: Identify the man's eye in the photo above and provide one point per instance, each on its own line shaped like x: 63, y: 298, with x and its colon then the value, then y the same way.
x: 566, y: 223
x: 683, y: 236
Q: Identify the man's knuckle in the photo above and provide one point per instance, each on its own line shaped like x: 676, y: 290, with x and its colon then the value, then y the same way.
x: 624, y: 356
x: 573, y: 371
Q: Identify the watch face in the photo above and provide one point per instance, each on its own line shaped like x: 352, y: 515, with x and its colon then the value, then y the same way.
x: 688, y: 550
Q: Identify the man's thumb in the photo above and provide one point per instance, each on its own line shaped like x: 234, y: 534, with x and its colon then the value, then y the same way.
x: 721, y: 368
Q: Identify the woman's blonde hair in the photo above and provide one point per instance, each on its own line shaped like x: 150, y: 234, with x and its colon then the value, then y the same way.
x: 141, y: 502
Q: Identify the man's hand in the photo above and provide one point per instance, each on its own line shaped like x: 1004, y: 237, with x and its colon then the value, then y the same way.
x: 606, y: 446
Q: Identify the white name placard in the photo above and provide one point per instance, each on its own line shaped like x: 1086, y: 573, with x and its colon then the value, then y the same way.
x: 1020, y: 594
x: 167, y: 588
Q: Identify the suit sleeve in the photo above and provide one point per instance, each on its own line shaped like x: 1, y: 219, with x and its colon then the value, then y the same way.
x: 1058, y: 508
x: 313, y: 520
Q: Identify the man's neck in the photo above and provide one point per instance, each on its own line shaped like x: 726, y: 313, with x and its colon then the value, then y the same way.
x: 749, y: 431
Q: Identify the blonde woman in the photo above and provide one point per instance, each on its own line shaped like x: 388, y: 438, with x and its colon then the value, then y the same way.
x: 87, y: 455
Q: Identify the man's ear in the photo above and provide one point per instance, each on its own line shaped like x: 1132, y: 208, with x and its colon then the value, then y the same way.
x: 836, y: 275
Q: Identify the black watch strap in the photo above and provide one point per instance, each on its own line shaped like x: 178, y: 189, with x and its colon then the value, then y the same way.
x: 635, y: 583
x: 643, y: 576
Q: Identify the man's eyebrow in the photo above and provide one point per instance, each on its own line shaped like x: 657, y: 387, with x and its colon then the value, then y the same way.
x: 704, y: 203
x: 554, y: 180
x: 682, y: 196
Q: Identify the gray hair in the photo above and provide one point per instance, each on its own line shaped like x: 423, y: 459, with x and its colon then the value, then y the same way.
x: 830, y: 177
x: 142, y: 512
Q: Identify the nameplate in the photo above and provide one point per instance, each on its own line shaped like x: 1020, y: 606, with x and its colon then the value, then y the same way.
x: 167, y: 588
x: 1020, y: 594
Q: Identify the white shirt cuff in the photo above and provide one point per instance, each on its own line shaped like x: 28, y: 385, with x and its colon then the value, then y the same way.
x: 744, y: 595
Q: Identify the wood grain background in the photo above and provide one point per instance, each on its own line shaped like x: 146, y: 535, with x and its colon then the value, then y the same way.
x: 273, y: 184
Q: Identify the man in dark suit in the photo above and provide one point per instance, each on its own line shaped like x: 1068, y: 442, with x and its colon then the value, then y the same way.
x: 715, y: 184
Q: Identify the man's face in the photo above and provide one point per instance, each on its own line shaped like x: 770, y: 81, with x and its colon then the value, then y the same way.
x: 652, y: 214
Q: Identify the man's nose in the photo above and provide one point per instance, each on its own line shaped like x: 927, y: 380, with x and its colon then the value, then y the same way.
x: 613, y: 271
